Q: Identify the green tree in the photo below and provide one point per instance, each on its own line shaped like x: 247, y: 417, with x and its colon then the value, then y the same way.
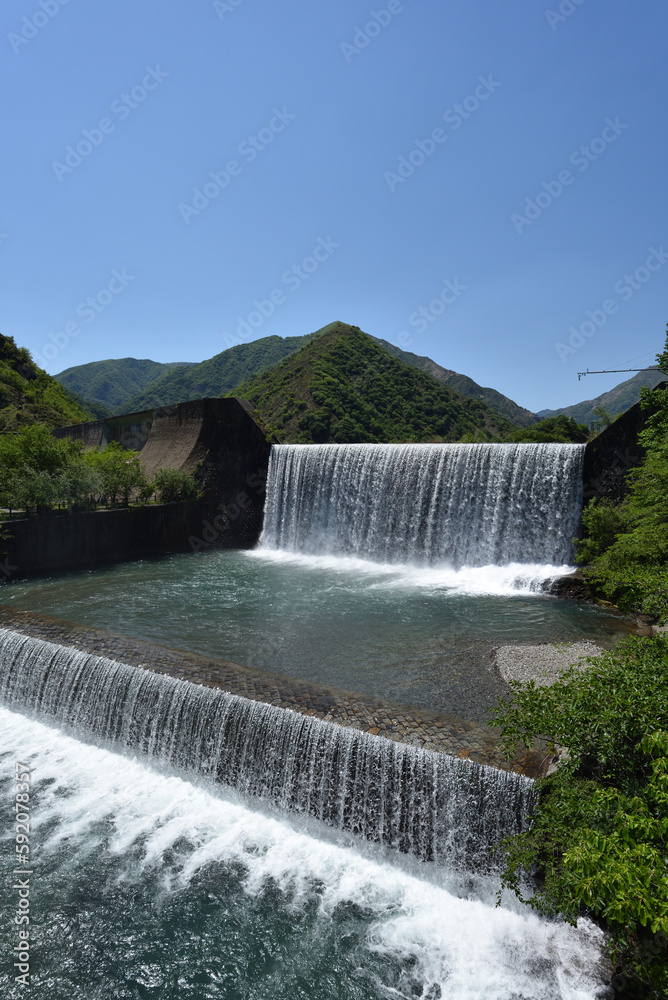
x: 37, y: 471
x: 558, y: 430
x: 603, y: 418
x: 120, y: 473
x: 174, y: 486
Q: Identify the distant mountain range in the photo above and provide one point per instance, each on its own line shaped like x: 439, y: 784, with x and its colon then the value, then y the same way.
x: 129, y: 385
x: 614, y: 402
x: 111, y: 384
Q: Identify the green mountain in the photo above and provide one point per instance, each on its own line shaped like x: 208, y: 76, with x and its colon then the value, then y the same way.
x: 464, y: 385
x: 129, y: 385
x: 110, y: 384
x: 218, y: 375
x: 614, y: 402
x: 29, y: 396
x: 344, y: 387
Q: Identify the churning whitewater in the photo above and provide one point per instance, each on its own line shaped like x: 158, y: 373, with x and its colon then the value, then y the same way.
x: 153, y: 887
x: 454, y: 505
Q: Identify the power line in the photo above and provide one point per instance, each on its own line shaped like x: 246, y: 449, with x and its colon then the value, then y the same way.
x: 613, y: 371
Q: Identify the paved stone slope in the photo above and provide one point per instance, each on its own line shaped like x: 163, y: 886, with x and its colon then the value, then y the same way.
x: 432, y: 730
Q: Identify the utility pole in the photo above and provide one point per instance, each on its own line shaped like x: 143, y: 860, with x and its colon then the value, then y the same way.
x: 613, y: 371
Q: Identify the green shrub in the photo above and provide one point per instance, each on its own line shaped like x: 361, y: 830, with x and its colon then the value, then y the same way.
x: 598, y: 842
x: 602, y: 521
x: 174, y: 486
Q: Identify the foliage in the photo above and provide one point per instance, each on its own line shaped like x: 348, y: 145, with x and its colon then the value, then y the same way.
x: 602, y: 521
x: 174, y: 486
x: 560, y: 430
x: 343, y: 387
x: 119, y: 473
x: 28, y: 395
x: 39, y: 473
x: 599, y: 837
x: 602, y: 418
x: 625, y: 548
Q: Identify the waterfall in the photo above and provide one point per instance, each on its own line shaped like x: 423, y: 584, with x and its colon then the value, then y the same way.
x: 436, y: 807
x: 449, y: 504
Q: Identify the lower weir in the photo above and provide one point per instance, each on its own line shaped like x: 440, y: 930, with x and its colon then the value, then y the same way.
x: 432, y: 805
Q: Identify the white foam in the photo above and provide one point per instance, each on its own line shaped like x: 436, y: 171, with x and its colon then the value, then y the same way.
x: 514, y: 579
x: 469, y: 948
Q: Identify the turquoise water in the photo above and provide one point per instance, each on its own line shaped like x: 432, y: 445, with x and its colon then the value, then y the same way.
x: 146, y: 885
x: 414, y: 635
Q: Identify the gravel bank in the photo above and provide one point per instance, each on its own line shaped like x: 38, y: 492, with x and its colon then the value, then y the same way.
x: 542, y: 664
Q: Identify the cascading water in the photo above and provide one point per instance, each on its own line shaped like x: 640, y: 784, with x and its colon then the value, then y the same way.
x: 436, y: 807
x: 455, y: 504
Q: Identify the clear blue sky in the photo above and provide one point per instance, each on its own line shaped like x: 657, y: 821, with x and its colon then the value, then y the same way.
x: 304, y: 112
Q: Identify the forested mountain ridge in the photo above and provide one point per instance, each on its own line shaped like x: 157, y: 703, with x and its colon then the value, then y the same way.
x: 112, y: 383
x: 464, y: 385
x: 129, y: 385
x: 29, y: 396
x: 344, y: 387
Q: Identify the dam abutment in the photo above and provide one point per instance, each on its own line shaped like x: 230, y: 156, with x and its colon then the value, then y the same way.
x: 218, y: 441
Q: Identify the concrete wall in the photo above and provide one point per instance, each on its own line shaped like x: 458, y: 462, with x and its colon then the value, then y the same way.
x: 217, y: 440
x: 62, y: 542
x: 131, y: 430
x: 612, y: 453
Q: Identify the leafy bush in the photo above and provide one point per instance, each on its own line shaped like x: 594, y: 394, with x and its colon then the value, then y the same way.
x: 602, y: 521
x: 39, y: 473
x: 174, y: 486
x: 599, y: 838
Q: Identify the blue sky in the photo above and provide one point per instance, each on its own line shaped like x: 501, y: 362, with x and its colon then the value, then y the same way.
x: 245, y: 168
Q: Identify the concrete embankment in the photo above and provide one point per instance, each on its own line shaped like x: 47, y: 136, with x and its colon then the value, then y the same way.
x: 218, y: 441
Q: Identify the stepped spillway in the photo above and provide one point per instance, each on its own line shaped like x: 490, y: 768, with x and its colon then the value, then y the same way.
x: 455, y: 505
x: 431, y: 805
